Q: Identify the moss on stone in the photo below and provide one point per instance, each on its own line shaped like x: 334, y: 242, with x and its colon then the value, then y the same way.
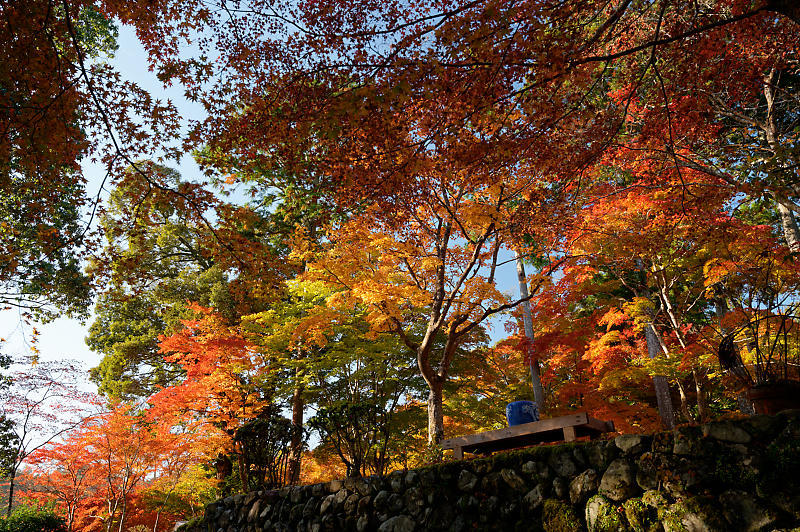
x: 728, y: 471
x: 558, y: 516
x: 191, y: 524
x: 695, y: 513
x: 641, y: 517
x: 604, y: 515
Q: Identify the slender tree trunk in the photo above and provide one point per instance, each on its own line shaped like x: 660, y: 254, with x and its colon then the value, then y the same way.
x: 701, y: 386
x: 123, y: 514
x: 435, y: 413
x: 527, y: 320
x: 244, y: 477
x: 11, y: 480
x: 663, y: 398
x: 296, y: 450
x: 685, y: 410
x: 791, y: 232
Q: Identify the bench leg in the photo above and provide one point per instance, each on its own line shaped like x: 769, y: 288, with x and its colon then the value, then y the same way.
x: 458, y: 453
x: 569, y: 433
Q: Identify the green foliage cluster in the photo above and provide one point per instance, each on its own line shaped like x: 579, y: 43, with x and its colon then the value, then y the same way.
x: 265, y: 449
x: 28, y: 519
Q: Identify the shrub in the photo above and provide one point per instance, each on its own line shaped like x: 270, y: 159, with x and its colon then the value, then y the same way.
x: 27, y: 519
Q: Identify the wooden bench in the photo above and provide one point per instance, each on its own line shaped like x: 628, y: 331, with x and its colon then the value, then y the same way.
x: 566, y: 428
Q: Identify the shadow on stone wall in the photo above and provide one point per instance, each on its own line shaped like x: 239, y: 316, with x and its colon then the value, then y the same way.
x: 724, y: 476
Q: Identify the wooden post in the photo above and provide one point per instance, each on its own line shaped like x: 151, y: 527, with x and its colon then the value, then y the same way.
x: 569, y: 433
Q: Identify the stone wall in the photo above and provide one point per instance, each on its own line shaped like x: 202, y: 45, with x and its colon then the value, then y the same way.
x: 730, y: 475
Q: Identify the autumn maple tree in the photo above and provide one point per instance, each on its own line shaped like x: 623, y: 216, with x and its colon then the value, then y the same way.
x: 43, y: 402
x: 370, y: 171
x: 426, y: 274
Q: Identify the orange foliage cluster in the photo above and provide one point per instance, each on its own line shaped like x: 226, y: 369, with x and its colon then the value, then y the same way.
x: 640, y: 155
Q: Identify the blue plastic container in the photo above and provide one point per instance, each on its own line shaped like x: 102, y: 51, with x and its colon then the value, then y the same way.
x: 520, y: 412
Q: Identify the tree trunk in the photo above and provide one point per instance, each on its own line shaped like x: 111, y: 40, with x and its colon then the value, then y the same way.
x: 663, y: 398
x: 685, y: 410
x: 244, y: 476
x: 700, y: 386
x: 122, y: 515
x: 788, y: 220
x: 296, y: 450
x: 791, y: 232
x: 527, y: 320
x: 435, y: 413
x: 11, y: 490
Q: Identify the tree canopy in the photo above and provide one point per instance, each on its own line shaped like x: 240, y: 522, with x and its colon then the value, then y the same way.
x: 370, y: 173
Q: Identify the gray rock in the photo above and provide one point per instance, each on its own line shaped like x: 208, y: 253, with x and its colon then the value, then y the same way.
x: 640, y: 516
x: 481, y: 466
x: 513, y: 480
x: 328, y: 523
x: 395, y: 503
x: 296, y: 496
x: 398, y: 523
x: 351, y: 503
x: 489, y: 505
x: 630, y: 443
x: 619, y: 480
x: 252, y: 515
x: 726, y: 431
x: 411, y: 478
x: 687, y: 441
x: 745, y: 512
x: 415, y: 503
x: 761, y: 426
x: 335, y: 485
x: 563, y: 464
x: 363, y: 504
x: 467, y: 502
x: 310, y: 508
x: 559, y: 515
x: 467, y: 481
x: 326, y: 504
x: 583, y: 486
x: 600, y: 454
x: 362, y: 524
x: 427, y: 477
x: 602, y: 516
x: 649, y: 467
x: 396, y: 481
x: 560, y: 488
x: 534, y: 498
x: 363, y: 486
x: 340, y: 497
x: 296, y: 513
x: 538, y: 471
x: 491, y: 482
x: 381, y: 501
x: 694, y: 514
x: 265, y: 512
